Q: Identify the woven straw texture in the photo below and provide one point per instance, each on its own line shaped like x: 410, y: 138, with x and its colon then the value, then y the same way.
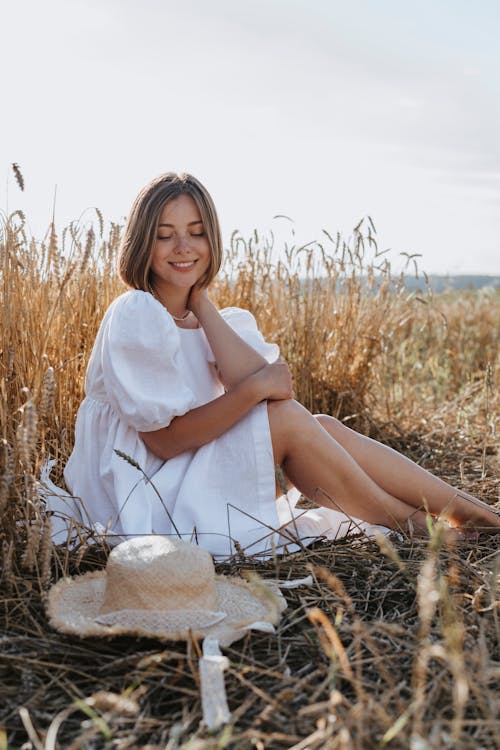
x: 155, y: 592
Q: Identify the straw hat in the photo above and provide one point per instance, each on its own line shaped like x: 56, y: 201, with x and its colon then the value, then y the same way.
x: 162, y: 588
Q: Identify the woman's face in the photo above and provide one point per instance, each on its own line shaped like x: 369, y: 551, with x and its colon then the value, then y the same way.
x: 181, y: 251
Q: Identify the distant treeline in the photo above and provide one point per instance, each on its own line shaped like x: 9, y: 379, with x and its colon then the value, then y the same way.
x: 421, y: 283
x: 447, y: 283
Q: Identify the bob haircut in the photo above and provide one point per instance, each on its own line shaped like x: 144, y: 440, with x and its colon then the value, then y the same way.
x: 134, y: 264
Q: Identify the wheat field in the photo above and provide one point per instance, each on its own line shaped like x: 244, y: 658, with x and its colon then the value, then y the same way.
x: 396, y: 644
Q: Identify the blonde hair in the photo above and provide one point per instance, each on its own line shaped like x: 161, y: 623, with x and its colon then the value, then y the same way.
x: 136, y: 247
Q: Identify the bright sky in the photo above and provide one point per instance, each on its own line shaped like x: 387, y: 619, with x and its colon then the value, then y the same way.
x: 323, y: 110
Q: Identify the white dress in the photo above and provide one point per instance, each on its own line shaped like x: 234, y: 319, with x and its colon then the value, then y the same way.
x: 144, y: 371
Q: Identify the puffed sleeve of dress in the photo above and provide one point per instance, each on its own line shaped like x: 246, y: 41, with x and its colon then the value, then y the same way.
x: 245, y: 325
x: 139, y: 353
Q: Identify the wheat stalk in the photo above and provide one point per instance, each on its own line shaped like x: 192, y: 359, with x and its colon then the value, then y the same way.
x: 18, y: 175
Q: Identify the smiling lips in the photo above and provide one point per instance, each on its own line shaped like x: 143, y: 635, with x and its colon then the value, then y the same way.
x: 184, y: 265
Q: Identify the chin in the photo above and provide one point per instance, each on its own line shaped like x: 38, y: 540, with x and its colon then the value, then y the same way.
x: 183, y: 284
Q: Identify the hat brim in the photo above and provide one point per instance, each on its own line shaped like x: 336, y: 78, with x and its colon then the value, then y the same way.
x: 74, y: 604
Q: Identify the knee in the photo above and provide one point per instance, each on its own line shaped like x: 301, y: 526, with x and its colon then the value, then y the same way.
x: 282, y: 408
x: 286, y: 413
x: 331, y: 424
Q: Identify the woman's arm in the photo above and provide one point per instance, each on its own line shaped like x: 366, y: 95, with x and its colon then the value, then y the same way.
x: 207, y: 422
x: 235, y: 358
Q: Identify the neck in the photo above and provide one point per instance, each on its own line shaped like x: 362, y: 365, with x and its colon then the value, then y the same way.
x: 174, y: 301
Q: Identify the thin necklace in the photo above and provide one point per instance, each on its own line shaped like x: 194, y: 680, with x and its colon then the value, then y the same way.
x: 183, y: 317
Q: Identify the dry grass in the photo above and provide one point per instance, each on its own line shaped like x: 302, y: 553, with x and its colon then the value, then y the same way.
x: 394, y: 646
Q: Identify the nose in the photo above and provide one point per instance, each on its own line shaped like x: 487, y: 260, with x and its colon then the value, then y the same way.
x: 182, y: 243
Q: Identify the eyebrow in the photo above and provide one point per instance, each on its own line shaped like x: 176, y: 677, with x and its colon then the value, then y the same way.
x: 198, y: 221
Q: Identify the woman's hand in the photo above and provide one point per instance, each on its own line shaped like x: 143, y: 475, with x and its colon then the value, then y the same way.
x: 274, y: 382
x: 197, y: 297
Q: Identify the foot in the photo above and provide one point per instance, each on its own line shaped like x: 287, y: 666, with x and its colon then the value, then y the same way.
x: 466, y: 510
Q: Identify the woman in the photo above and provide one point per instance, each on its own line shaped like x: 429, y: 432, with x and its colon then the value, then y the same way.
x: 193, y: 399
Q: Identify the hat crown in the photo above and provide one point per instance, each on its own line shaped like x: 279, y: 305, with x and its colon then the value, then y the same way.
x: 159, y: 573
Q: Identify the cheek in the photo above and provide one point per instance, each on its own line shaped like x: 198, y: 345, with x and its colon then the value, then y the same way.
x: 155, y: 258
x: 206, y: 256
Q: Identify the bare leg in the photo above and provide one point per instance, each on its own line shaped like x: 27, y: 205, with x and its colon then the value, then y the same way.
x: 313, y: 459
x: 406, y: 480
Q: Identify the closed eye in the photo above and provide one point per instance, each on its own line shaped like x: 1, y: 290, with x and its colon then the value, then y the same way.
x: 201, y: 234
